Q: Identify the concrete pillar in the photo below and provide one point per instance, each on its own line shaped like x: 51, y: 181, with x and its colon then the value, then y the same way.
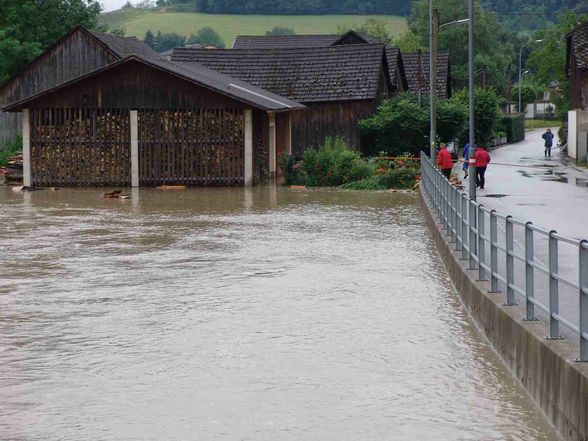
x: 572, y: 134
x: 134, y: 120
x: 27, y: 179
x: 248, y: 169
x: 272, y: 144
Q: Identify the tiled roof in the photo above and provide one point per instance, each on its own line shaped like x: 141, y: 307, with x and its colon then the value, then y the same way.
x: 297, y: 41
x: 416, y: 68
x: 579, y: 39
x: 393, y: 54
x: 317, y: 74
x: 194, y: 73
x: 125, y: 46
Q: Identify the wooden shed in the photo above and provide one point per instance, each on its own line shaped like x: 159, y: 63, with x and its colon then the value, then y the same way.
x: 78, y: 52
x: 340, y: 84
x: 148, y: 121
x: 577, y: 66
x: 416, y: 66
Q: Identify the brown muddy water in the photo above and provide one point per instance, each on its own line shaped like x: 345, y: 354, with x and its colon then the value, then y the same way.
x: 239, y: 314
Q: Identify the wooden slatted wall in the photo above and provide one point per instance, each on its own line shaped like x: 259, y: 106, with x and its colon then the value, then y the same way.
x: 80, y: 147
x: 191, y: 147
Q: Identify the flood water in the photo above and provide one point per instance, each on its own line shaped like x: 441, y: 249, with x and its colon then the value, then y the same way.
x: 239, y: 314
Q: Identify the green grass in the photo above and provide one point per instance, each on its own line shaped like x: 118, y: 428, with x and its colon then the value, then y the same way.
x: 531, y: 124
x: 136, y: 22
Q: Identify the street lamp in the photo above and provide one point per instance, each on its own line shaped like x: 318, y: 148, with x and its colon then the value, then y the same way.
x: 434, y: 29
x: 521, y: 68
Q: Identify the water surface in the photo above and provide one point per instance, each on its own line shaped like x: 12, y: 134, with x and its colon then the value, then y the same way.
x: 239, y: 314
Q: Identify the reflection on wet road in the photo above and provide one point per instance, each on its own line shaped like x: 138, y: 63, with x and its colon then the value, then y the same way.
x: 216, y: 314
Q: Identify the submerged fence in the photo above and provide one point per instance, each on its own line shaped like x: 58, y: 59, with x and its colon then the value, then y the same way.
x: 491, y: 241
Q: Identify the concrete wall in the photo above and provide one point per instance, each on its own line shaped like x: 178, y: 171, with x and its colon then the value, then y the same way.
x: 577, y: 134
x: 545, y: 368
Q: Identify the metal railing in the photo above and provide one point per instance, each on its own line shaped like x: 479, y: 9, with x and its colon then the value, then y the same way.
x: 486, y: 239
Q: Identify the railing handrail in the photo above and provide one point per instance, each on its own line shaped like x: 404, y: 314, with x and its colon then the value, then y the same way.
x: 465, y: 224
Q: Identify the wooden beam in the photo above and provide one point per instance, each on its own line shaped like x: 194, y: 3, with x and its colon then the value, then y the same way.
x: 272, y: 144
x: 248, y: 168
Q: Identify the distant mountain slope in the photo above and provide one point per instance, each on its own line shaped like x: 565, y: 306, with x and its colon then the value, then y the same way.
x: 136, y: 22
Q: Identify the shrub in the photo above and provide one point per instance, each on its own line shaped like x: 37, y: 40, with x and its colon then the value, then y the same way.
x: 333, y: 164
x: 486, y: 113
x: 514, y: 126
x: 400, y: 178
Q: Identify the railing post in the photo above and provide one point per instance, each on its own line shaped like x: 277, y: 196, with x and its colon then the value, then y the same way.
x: 458, y: 221
x: 510, y: 300
x: 493, y: 252
x: 464, y: 227
x: 553, y: 288
x: 472, y: 240
x: 583, y: 322
x: 453, y: 212
x: 481, y: 244
x: 529, y: 274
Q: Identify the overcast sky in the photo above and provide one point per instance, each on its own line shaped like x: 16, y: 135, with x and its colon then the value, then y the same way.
x: 111, y: 5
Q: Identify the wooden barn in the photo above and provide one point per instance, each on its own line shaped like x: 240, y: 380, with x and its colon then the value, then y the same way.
x: 340, y: 84
x: 577, y: 66
x: 416, y: 67
x: 76, y: 53
x: 145, y: 121
x: 299, y: 41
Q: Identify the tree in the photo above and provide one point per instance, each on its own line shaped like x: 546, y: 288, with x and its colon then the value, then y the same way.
x: 409, y: 42
x: 27, y: 27
x: 485, y: 112
x: 373, y: 27
x: 528, y: 95
x: 278, y: 30
x: 149, y: 39
x: 547, y: 59
x: 402, y: 125
x: 206, y: 35
x: 494, y: 45
x: 167, y: 41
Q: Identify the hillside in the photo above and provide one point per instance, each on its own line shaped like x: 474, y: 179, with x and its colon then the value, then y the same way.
x: 136, y: 22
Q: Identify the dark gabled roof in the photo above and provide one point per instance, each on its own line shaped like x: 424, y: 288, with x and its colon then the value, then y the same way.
x: 578, y: 44
x: 314, y: 74
x: 395, y: 59
x: 125, y: 46
x: 299, y: 41
x: 416, y: 68
x: 195, y: 73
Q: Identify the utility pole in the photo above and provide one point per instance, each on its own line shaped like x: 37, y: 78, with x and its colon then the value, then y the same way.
x: 433, y: 31
x: 472, y: 167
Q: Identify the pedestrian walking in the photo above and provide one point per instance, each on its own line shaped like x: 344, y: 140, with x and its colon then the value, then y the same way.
x: 482, y: 159
x: 548, y: 137
x: 444, y: 161
x: 466, y: 159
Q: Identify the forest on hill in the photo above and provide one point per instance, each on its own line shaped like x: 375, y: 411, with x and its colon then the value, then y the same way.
x: 529, y: 14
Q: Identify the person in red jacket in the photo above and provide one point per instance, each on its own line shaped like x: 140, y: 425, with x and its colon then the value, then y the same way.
x: 444, y: 161
x: 482, y: 160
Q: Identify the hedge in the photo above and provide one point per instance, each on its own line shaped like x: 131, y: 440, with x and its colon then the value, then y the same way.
x: 515, y: 127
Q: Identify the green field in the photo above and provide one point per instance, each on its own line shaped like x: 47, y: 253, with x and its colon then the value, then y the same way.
x: 136, y: 22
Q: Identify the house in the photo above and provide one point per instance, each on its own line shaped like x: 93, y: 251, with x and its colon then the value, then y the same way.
x: 339, y: 85
x: 577, y: 66
x: 78, y: 52
x: 299, y: 41
x: 146, y: 121
x: 577, y: 72
x: 411, y: 69
x: 168, y: 53
x: 417, y: 69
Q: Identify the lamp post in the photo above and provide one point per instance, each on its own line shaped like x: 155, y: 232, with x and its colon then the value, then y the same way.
x: 521, y: 69
x: 472, y: 166
x: 434, y: 28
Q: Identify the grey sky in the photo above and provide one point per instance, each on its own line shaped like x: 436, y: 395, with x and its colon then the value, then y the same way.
x: 111, y: 5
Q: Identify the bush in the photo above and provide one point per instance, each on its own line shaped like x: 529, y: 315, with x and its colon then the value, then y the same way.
x: 401, y: 125
x: 332, y: 165
x: 485, y: 112
x: 514, y: 126
x: 372, y: 183
x: 401, y: 178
